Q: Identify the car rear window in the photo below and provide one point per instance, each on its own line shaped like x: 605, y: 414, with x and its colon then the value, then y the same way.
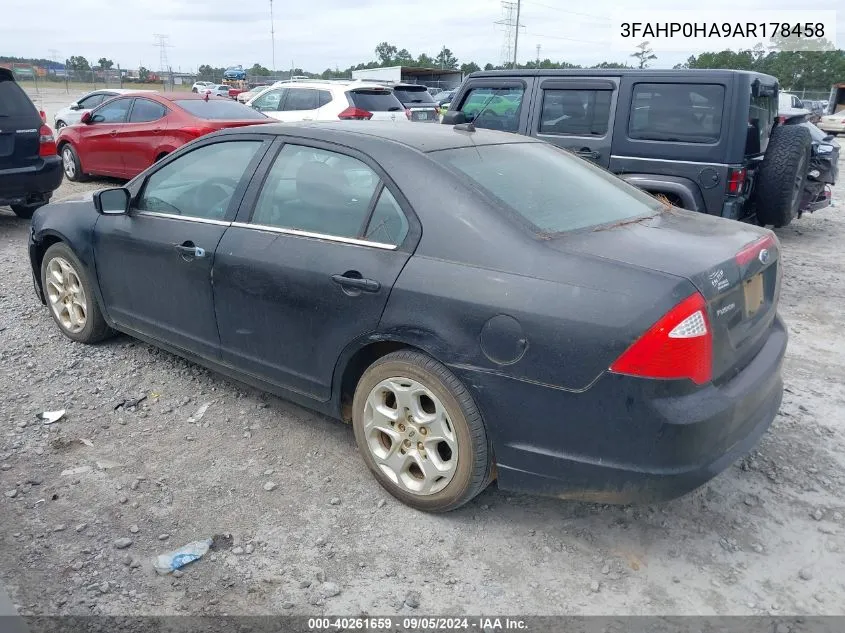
x: 413, y: 95
x: 546, y: 187
x: 218, y: 109
x: 685, y: 113
x: 13, y: 100
x: 374, y: 100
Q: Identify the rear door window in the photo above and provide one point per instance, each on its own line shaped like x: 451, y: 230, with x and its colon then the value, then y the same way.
x: 680, y: 113
x: 375, y: 100
x: 494, y: 108
x: 575, y: 112
x: 13, y: 101
x: 146, y: 110
x: 301, y: 99
x: 114, y: 111
x: 762, y: 112
x: 324, y: 97
x: 92, y: 101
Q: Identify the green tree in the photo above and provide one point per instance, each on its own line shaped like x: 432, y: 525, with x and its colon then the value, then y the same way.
x: 611, y: 65
x: 489, y: 66
x: 104, y: 63
x: 143, y: 74
x: 258, y: 69
x: 643, y: 54
x: 445, y: 59
x: 404, y: 58
x: 471, y: 67
x: 386, y: 53
x: 424, y: 61
x: 77, y: 62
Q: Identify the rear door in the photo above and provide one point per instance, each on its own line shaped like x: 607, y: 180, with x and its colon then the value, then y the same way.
x: 139, y: 137
x: 576, y: 114
x: 300, y: 105
x: 99, y: 149
x: 309, y: 265
x: 496, y: 104
x: 19, y: 125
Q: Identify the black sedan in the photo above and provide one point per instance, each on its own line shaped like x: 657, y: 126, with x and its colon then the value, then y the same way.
x: 479, y: 305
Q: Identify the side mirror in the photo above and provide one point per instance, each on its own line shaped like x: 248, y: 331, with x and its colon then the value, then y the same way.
x: 454, y: 117
x: 86, y: 118
x: 74, y: 106
x: 112, y: 201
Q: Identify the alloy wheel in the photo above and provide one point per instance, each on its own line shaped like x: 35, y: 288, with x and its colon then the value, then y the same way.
x: 410, y: 436
x: 66, y: 295
x: 68, y: 162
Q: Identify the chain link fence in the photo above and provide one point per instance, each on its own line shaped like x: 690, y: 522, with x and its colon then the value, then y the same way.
x: 76, y: 80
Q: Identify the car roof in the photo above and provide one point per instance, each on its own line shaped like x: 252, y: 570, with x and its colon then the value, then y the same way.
x: 7, y: 74
x: 417, y: 136
x: 692, y: 73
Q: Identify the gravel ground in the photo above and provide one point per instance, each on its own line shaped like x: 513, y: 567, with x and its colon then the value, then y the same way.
x: 88, y: 501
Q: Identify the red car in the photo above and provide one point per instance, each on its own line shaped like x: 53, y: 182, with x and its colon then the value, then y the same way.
x: 127, y: 134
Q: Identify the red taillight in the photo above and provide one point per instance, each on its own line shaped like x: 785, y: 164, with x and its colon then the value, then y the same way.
x: 736, y: 179
x: 355, y: 114
x: 680, y: 345
x: 43, y: 116
x: 781, y: 119
x: 46, y: 142
x: 752, y: 251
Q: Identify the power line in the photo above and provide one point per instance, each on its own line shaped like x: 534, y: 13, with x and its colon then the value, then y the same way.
x: 586, y: 15
x: 568, y: 39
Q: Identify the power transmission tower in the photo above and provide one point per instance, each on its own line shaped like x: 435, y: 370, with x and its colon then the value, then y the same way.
x: 163, y: 43
x: 538, y: 55
x: 510, y: 22
x: 53, y: 53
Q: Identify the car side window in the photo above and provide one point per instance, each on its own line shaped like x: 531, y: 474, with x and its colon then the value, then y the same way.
x: 324, y: 97
x: 494, y: 108
x: 575, y: 112
x: 388, y: 223
x: 91, y: 101
x: 146, y: 110
x: 301, y: 99
x: 270, y: 101
x: 114, y: 111
x: 201, y: 183
x: 318, y: 191
x: 687, y: 113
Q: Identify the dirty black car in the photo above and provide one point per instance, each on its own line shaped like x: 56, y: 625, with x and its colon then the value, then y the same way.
x: 706, y: 140
x: 479, y: 305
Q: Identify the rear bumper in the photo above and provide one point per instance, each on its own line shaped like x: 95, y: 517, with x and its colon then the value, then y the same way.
x: 627, y: 440
x: 28, y: 185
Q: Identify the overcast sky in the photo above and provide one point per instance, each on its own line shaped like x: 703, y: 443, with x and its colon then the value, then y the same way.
x: 318, y: 34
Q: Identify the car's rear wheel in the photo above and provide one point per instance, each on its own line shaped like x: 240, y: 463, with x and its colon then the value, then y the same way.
x: 782, y: 175
x: 70, y: 297
x: 420, y: 432
x: 71, y: 165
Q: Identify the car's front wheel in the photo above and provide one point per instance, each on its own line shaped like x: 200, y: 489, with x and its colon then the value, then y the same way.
x: 70, y: 297
x: 71, y: 165
x: 420, y: 432
x: 60, y: 125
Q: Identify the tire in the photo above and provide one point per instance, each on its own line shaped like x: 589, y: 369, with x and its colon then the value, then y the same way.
x: 782, y: 175
x: 75, y: 286
x: 25, y: 211
x: 459, y: 465
x: 60, y: 125
x: 71, y: 165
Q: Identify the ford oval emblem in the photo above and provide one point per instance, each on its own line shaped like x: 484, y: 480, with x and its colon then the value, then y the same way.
x: 764, y: 256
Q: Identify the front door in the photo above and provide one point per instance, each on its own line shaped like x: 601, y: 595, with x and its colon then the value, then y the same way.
x: 154, y: 264
x: 576, y: 114
x: 309, y: 265
x: 99, y: 150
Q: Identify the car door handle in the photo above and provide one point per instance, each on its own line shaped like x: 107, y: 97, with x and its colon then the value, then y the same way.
x: 356, y: 283
x: 188, y: 250
x: 586, y: 152
x: 113, y: 132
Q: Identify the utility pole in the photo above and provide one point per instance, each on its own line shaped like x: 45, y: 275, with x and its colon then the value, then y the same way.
x: 516, y: 35
x: 538, y: 55
x: 272, y: 36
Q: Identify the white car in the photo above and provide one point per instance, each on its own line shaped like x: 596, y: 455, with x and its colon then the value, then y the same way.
x: 833, y: 123
x: 201, y: 84
x: 330, y: 101
x: 73, y: 113
x: 243, y: 97
x: 219, y: 90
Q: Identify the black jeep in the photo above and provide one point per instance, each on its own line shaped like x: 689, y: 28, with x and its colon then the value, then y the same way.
x: 707, y: 140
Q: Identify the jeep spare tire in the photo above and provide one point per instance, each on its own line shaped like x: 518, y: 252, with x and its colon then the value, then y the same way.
x: 782, y: 175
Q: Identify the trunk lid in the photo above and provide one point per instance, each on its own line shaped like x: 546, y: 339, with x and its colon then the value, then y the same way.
x: 726, y: 261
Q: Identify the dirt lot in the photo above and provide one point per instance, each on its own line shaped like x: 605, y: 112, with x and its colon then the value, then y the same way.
x: 767, y: 536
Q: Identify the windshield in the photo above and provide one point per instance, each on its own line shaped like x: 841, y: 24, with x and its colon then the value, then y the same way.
x: 413, y: 95
x: 547, y: 187
x: 219, y: 109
